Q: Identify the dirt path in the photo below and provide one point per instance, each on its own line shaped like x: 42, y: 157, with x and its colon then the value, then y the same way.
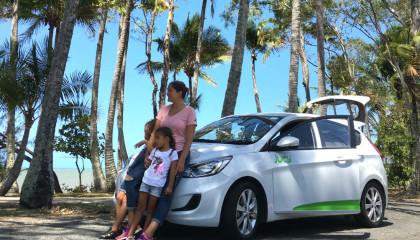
x: 402, y: 222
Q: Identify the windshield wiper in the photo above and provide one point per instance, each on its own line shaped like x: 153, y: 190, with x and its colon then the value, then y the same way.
x: 205, y: 140
x: 238, y: 142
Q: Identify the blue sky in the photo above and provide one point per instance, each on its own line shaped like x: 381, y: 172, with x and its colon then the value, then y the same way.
x: 272, y: 77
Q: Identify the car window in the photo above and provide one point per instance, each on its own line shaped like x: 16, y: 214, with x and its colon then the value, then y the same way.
x: 303, y: 132
x: 333, y: 134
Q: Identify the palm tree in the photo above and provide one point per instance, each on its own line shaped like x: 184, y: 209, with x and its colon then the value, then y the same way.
x: 260, y: 40
x: 41, y: 13
x: 50, y: 13
x: 10, y: 132
x: 215, y: 49
x: 152, y: 10
x: 26, y: 91
x: 37, y: 189
x: 110, y: 170
x: 320, y: 49
x: 199, y: 40
x: 305, y: 67
x: 237, y: 60
x: 294, y: 57
x: 98, y: 175
x: 166, y: 57
x: 122, y: 151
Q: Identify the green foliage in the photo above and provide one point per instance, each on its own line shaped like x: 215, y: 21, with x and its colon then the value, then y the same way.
x: 74, y: 137
x: 215, y: 49
x: 77, y: 189
x: 396, y: 144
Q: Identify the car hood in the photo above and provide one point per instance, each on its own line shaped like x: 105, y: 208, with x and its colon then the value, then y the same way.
x: 206, y: 151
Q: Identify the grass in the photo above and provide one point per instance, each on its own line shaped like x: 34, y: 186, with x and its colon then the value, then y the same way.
x: 59, y: 210
x: 84, y: 195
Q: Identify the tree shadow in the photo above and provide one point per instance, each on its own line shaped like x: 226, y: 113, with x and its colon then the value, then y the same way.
x: 331, y: 227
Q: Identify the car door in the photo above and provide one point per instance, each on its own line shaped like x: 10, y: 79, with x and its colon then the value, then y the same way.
x: 322, y: 172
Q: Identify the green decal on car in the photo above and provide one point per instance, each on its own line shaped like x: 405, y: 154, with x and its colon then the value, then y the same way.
x: 285, y: 159
x: 329, y: 206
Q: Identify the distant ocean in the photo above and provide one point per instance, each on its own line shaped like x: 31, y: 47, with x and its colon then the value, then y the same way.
x: 69, y: 177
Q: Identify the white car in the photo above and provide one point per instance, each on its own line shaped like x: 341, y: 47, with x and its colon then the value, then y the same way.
x: 256, y: 168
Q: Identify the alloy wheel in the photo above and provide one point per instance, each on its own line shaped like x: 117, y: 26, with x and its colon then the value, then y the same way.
x: 246, y: 212
x: 373, y: 205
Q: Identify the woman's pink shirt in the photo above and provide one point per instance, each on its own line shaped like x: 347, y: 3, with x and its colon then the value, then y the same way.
x: 177, y: 123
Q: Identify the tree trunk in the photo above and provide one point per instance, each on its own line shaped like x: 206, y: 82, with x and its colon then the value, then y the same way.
x: 11, y: 110
x: 166, y: 57
x: 294, y: 57
x: 57, y: 188
x: 13, y: 174
x: 190, y: 87
x: 198, y: 53
x: 414, y: 185
x: 38, y: 187
x: 415, y: 29
x: 254, y: 82
x: 232, y: 88
x: 305, y: 67
x: 415, y: 19
x: 28, y: 159
x: 321, y: 58
x: 50, y: 37
x: 98, y: 175
x: 110, y: 170
x: 122, y: 150
x: 149, y: 62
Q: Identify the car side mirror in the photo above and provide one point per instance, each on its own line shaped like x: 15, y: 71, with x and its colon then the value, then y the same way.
x: 288, y: 142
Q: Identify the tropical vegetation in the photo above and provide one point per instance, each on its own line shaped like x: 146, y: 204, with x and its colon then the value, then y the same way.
x: 357, y: 47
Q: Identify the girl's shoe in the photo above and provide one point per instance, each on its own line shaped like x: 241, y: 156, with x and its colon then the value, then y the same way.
x: 144, y: 236
x: 138, y: 230
x: 124, y: 233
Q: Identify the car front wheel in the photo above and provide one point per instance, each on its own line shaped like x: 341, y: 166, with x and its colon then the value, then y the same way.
x: 372, y: 206
x: 241, y: 212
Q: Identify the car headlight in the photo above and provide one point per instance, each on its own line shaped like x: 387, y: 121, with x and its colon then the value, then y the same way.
x: 207, y: 168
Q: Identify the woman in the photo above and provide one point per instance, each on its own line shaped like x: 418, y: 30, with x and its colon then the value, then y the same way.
x: 182, y: 121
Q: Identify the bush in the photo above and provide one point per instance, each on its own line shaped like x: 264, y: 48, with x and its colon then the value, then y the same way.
x: 77, y: 189
x: 396, y: 144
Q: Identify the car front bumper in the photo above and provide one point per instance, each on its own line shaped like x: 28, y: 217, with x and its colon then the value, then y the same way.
x: 211, y: 191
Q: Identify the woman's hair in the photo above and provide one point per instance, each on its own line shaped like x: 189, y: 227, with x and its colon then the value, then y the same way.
x: 166, y: 132
x: 148, y: 128
x: 179, y: 86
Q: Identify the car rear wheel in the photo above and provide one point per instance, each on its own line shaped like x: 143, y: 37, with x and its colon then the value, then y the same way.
x: 372, y: 206
x: 241, y: 212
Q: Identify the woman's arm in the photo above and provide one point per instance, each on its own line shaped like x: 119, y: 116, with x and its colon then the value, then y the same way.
x: 189, y: 135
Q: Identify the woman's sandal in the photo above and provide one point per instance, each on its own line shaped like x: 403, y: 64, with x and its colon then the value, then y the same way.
x: 110, y: 235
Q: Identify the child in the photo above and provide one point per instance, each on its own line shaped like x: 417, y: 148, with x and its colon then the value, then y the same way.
x: 163, y: 157
x: 128, y: 192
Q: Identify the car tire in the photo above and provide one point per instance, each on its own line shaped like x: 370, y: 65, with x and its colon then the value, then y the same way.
x: 242, y: 210
x: 372, y: 206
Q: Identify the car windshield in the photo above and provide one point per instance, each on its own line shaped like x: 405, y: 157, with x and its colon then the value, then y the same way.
x: 236, y: 129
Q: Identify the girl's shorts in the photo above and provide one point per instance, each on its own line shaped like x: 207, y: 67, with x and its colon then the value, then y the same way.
x: 152, y: 190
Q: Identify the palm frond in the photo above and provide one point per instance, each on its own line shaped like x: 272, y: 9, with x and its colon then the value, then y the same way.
x: 207, y: 78
x: 156, y: 67
x: 194, y: 103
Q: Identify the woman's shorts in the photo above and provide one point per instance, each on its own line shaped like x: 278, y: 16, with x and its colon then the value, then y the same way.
x: 152, y: 190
